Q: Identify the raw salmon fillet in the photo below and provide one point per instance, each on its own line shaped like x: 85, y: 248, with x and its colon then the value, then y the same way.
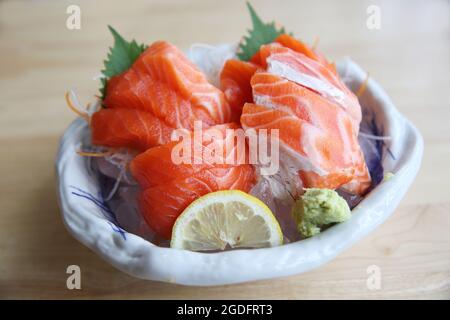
x: 156, y: 166
x: 135, y: 90
x: 161, y: 205
x: 316, y: 134
x: 289, y: 42
x: 163, y: 76
x: 166, y: 91
x: 312, y: 74
x: 169, y: 187
x: 292, y: 43
x: 131, y: 128
x: 236, y: 74
x: 235, y: 83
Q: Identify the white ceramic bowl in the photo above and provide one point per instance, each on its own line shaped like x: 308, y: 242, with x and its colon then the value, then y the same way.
x: 87, y: 219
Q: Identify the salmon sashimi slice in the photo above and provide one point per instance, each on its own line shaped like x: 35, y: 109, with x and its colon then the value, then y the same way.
x: 166, y: 63
x: 279, y: 93
x: 315, y: 133
x: 297, y: 45
x: 156, y: 166
x: 303, y: 147
x: 260, y: 57
x: 164, y: 82
x: 360, y: 182
x: 136, y: 90
x: 235, y: 83
x: 294, y: 44
x: 128, y: 128
x: 161, y: 205
x: 168, y: 186
x: 298, y: 68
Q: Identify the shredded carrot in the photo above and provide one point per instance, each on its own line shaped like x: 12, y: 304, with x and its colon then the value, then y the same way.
x: 362, y: 88
x: 69, y: 102
x: 95, y: 154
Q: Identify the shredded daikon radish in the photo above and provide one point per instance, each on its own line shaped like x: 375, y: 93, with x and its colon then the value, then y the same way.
x: 374, y: 137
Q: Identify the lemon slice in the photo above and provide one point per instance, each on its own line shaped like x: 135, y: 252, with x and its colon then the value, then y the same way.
x: 226, y: 219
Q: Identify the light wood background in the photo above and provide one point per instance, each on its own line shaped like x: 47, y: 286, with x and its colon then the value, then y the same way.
x: 40, y: 59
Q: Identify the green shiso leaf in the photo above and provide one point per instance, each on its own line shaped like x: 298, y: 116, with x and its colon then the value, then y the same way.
x: 262, y: 33
x: 120, y: 58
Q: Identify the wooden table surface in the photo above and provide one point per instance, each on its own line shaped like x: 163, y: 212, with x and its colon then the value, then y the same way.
x: 40, y: 59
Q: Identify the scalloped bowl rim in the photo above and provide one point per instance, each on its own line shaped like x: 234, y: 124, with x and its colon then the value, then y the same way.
x: 140, y: 258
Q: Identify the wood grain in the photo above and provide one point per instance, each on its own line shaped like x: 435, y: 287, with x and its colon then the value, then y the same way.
x: 40, y: 59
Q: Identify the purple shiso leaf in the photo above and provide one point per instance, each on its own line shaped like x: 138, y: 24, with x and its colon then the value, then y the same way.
x: 372, y: 148
x: 373, y: 153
